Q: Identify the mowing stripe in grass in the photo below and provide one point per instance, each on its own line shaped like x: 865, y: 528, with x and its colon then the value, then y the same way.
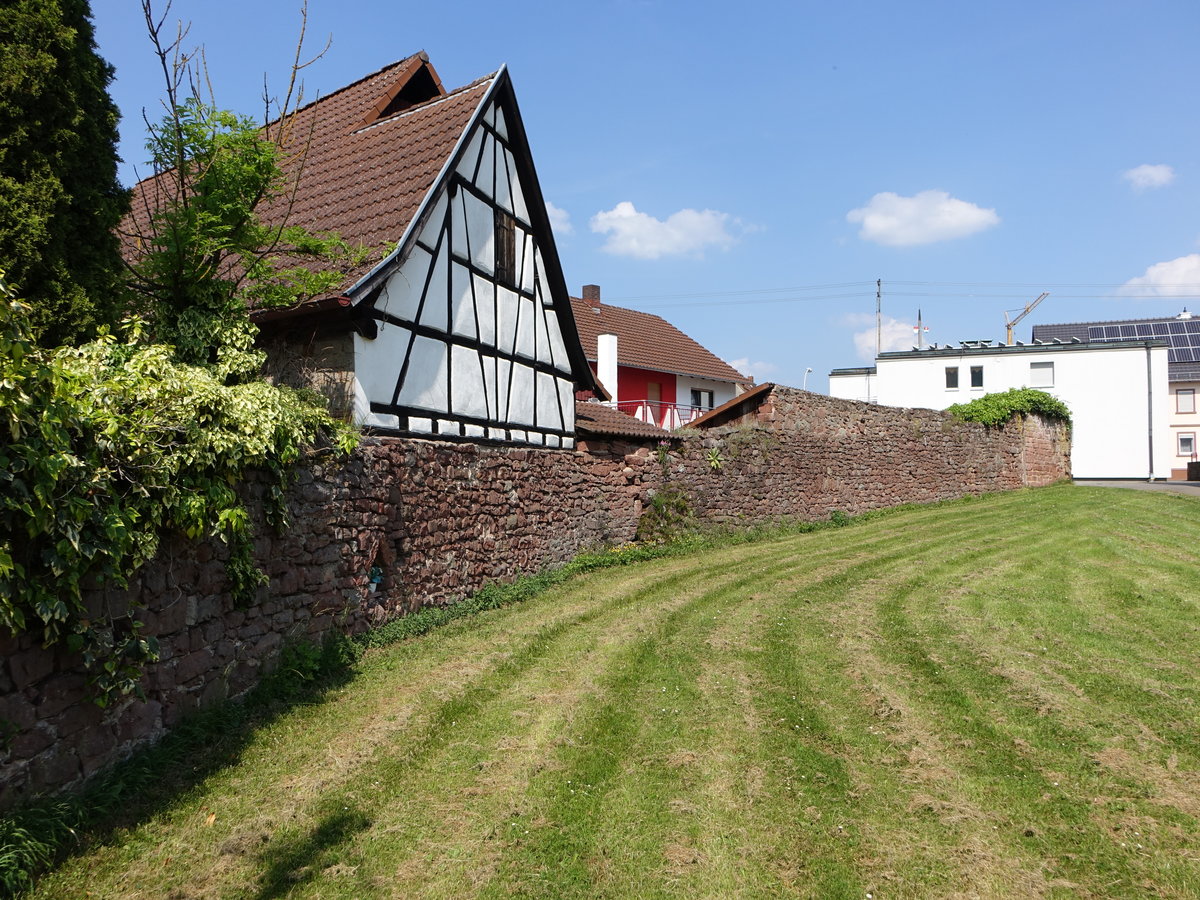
x: 965, y: 695
x: 692, y: 704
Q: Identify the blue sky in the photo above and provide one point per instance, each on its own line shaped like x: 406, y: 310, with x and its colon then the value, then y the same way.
x: 748, y: 170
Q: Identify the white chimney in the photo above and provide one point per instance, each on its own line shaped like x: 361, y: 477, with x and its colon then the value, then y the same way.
x: 606, y: 362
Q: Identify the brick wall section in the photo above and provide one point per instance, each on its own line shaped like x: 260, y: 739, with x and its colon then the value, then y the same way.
x: 443, y: 519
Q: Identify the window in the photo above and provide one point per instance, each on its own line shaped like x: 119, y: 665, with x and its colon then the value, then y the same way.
x: 1185, y: 400
x: 976, y: 376
x: 702, y: 399
x: 506, y: 248
x: 952, y: 378
x: 1187, y: 444
x: 1041, y: 374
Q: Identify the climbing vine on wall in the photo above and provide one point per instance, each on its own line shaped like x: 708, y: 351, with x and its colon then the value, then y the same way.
x: 150, y: 428
x: 106, y: 446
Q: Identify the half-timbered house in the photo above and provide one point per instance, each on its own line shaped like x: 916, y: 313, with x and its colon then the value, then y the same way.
x: 464, y: 331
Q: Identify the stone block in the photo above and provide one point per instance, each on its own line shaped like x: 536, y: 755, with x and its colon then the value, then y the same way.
x: 78, y: 717
x: 55, y: 769
x: 59, y: 692
x: 16, y: 710
x: 140, y: 720
x: 28, y: 667
x: 96, y: 749
x: 171, y: 616
x: 193, y: 665
x: 213, y: 631
x: 267, y: 646
x: 30, y: 742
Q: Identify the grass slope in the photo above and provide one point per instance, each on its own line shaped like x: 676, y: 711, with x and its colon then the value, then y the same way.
x: 989, y: 698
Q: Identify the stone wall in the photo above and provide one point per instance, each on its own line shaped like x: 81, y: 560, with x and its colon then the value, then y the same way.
x: 803, y: 456
x: 441, y: 519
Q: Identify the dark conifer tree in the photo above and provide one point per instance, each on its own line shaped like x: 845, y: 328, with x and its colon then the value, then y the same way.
x: 60, y: 200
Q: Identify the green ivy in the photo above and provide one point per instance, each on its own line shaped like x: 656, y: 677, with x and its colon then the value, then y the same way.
x: 994, y: 409
x: 105, y: 447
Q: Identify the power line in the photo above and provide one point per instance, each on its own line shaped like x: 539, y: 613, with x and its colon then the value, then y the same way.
x: 779, y: 290
x: 865, y: 290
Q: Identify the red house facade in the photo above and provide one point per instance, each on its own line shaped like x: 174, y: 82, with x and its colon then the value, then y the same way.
x: 651, y: 369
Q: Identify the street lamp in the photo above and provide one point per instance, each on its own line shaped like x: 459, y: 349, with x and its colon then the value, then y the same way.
x: 804, y: 384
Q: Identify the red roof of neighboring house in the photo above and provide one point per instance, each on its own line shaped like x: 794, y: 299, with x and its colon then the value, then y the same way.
x: 596, y: 418
x: 364, y: 177
x: 649, y: 342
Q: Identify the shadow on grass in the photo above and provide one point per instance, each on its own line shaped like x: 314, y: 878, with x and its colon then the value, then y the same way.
x: 293, y: 861
x: 49, y: 830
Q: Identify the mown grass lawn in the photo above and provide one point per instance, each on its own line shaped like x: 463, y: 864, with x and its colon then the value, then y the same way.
x: 992, y: 698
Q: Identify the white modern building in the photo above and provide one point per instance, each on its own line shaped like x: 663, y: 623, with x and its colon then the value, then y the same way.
x: 1182, y: 334
x: 1118, y: 393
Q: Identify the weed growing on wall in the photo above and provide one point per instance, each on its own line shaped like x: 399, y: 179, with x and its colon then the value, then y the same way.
x: 668, y: 514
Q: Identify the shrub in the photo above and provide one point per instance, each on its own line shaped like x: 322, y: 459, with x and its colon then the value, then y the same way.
x: 995, y: 409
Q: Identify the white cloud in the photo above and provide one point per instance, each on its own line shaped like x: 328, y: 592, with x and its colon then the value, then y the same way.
x: 685, y: 233
x: 759, y: 371
x: 560, y: 219
x: 925, y: 218
x: 1173, y: 278
x: 895, y: 335
x: 1145, y: 177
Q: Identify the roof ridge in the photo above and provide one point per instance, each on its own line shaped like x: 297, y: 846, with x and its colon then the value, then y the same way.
x: 636, y: 312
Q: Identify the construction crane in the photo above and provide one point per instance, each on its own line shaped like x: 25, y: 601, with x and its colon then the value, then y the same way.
x: 1029, y: 307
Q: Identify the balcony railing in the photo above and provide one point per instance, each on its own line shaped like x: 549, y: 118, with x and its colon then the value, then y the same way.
x: 665, y: 415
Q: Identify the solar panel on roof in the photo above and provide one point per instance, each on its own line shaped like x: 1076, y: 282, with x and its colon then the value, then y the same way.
x: 1178, y: 327
x: 1161, y: 328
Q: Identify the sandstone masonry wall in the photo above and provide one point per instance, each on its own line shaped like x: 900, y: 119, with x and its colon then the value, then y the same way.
x: 441, y: 520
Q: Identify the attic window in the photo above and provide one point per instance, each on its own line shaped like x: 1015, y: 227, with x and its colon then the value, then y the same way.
x: 506, y: 248
x: 421, y: 88
x: 420, y: 85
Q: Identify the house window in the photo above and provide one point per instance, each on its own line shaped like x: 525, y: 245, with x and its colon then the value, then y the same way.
x: 1187, y: 444
x: 976, y: 376
x: 1041, y: 374
x: 1185, y: 400
x: 702, y: 399
x: 952, y: 378
x: 506, y: 248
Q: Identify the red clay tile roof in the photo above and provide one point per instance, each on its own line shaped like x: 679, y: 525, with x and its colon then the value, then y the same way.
x: 649, y: 342
x: 365, y: 181
x: 596, y: 418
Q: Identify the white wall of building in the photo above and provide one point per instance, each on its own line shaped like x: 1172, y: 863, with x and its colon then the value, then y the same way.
x: 1104, y: 387
x: 853, y: 386
x: 722, y: 391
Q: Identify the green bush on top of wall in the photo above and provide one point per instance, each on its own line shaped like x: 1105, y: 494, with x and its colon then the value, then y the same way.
x: 994, y: 409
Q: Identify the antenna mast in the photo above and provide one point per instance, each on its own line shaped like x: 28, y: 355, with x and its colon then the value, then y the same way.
x: 878, y: 316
